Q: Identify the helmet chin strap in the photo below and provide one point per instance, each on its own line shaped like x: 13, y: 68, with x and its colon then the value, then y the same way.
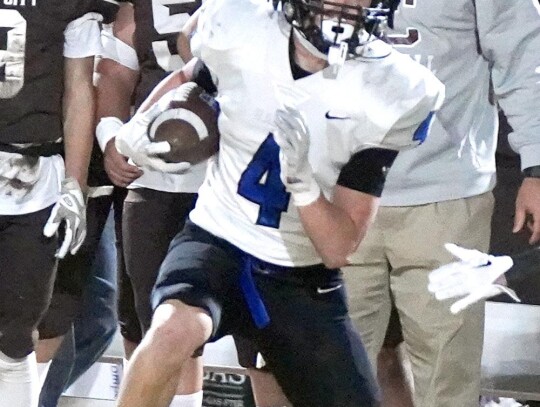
x: 308, y: 45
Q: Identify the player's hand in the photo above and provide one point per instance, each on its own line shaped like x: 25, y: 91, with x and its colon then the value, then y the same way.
x: 71, y: 209
x: 132, y: 141
x: 117, y: 167
x: 475, y: 276
x: 528, y: 208
x: 292, y: 137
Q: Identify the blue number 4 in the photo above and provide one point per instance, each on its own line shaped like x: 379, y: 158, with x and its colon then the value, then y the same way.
x: 260, y: 183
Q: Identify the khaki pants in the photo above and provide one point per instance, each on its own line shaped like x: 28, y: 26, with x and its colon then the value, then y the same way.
x: 400, y: 249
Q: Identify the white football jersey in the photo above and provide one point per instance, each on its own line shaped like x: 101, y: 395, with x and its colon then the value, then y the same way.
x: 377, y: 101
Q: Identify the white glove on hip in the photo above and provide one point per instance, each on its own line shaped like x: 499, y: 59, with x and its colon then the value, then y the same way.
x: 71, y: 209
x: 132, y: 140
x: 292, y: 137
x: 473, y: 277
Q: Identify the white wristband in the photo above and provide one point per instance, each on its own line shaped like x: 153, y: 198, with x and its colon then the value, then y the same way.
x: 305, y: 198
x: 107, y: 129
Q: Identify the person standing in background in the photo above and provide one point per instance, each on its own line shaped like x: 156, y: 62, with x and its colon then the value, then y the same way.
x: 483, y: 51
x: 139, y: 51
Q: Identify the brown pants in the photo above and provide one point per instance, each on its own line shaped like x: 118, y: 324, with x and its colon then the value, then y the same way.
x: 27, y: 270
x: 395, y: 258
x: 150, y: 220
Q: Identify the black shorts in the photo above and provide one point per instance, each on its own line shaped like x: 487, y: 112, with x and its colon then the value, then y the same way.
x: 296, y: 317
x: 74, y: 273
x: 27, y: 269
x: 150, y: 220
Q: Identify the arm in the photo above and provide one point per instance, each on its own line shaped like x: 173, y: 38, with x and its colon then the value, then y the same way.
x: 172, y: 81
x: 184, y: 37
x: 118, y: 76
x: 513, y: 49
x: 81, y: 43
x: 78, y: 108
x: 337, y: 227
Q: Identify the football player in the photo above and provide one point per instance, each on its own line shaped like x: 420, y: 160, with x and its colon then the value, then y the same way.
x: 314, y: 110
x: 46, y: 110
x: 139, y: 52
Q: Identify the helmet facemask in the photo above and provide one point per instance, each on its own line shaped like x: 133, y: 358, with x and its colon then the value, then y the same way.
x: 329, y: 26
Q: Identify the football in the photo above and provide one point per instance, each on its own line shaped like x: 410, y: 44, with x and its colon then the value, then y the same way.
x: 189, y: 125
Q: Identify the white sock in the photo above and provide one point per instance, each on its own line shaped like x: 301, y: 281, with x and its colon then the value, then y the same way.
x: 43, y: 369
x: 19, y: 382
x: 187, y: 400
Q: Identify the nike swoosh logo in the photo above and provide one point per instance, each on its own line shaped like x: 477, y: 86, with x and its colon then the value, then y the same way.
x: 335, y: 116
x: 328, y: 290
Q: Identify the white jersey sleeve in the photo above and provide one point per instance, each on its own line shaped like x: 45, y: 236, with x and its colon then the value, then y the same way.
x: 82, y: 36
x: 406, y: 103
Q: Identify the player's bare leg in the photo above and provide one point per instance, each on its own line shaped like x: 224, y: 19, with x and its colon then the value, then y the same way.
x: 46, y: 348
x: 266, y: 390
x: 191, y: 376
x: 189, y: 384
x: 391, y: 375
x: 177, y: 331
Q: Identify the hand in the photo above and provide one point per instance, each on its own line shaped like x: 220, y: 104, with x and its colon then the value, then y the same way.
x: 71, y: 209
x: 292, y: 137
x: 476, y: 276
x: 528, y: 205
x: 132, y: 141
x: 117, y: 167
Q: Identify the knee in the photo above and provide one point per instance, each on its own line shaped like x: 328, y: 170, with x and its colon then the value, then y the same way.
x: 179, y: 330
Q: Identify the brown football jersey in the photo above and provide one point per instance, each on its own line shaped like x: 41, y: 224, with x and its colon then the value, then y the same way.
x: 31, y: 65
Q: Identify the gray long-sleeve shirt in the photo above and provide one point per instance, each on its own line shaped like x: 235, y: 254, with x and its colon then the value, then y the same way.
x: 478, y: 49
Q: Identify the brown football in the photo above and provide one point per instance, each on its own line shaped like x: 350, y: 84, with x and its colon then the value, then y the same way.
x: 189, y: 125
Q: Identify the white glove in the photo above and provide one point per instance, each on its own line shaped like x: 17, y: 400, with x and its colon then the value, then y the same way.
x: 292, y: 137
x: 132, y: 141
x: 473, y: 277
x: 71, y: 209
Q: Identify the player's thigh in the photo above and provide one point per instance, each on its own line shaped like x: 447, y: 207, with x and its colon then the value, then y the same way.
x: 27, y: 268
x: 368, y: 288
x: 312, y: 348
x: 200, y: 271
x: 150, y: 221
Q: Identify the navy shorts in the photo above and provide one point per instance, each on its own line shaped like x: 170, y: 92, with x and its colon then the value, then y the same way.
x: 296, y: 317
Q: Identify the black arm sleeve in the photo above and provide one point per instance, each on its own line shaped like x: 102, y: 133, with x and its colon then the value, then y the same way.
x: 203, y: 78
x: 524, y: 276
x: 366, y: 170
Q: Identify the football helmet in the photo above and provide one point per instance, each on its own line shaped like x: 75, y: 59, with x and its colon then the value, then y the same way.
x: 330, y: 24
